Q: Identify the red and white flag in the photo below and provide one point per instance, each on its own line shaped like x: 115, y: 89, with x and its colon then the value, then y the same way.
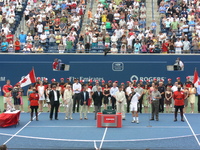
x: 30, y: 78
x: 196, y: 78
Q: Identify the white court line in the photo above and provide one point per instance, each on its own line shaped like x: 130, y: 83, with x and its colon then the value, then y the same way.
x: 195, y: 136
x: 95, y: 127
x: 19, y: 131
x: 78, y: 140
x: 95, y: 145
x: 104, y: 135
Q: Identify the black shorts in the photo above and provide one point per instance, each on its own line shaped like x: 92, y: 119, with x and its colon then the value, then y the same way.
x: 179, y: 107
x: 34, y: 107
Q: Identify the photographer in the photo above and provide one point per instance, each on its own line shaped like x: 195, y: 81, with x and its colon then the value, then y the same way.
x: 178, y: 64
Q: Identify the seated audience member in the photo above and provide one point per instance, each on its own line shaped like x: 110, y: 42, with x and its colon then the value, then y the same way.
x: 80, y: 48
x: 129, y: 49
x: 39, y: 50
x: 114, y: 49
x: 10, y: 49
x: 26, y: 49
x: 4, y: 46
x: 61, y: 48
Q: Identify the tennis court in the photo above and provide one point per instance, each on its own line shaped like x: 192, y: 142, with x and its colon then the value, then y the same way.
x: 83, y: 134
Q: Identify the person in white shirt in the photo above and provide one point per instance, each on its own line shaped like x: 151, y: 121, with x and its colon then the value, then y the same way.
x: 186, y: 46
x: 26, y: 49
x: 114, y: 38
x: 5, y: 29
x: 122, y: 23
x: 113, y: 92
x: 134, y: 97
x: 68, y: 101
x: 29, y: 38
x: 39, y: 28
x: 120, y: 101
x: 128, y: 92
x: 175, y: 87
x: 130, y: 40
x: 114, y: 49
x: 116, y: 16
x: 178, y: 46
x: 76, y: 90
x: 179, y: 64
x: 130, y: 24
x: 118, y: 33
x: 140, y: 35
x: 43, y: 38
x: 48, y: 8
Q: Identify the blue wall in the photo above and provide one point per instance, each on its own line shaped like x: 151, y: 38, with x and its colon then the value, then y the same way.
x: 98, y: 67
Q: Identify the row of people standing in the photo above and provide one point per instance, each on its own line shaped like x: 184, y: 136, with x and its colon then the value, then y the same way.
x: 109, y: 91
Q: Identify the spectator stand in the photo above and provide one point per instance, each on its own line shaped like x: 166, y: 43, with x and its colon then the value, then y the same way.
x: 11, y: 14
x: 54, y: 27
x: 181, y: 20
x: 99, y: 26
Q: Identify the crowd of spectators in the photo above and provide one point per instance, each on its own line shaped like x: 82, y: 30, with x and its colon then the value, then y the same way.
x: 50, y: 24
x: 10, y: 16
x: 122, y: 28
x: 115, y: 27
x: 180, y: 23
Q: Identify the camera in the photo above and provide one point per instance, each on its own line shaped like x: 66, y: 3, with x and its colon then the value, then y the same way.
x: 9, y: 89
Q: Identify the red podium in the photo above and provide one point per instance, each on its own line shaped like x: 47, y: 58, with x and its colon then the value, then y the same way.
x: 109, y: 120
x: 9, y: 118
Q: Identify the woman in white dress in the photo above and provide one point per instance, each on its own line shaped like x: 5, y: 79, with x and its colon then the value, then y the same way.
x: 90, y: 97
x: 192, y: 92
x: 40, y: 90
x: 48, y: 89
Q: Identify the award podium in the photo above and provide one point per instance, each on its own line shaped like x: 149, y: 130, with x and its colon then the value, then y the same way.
x: 109, y: 119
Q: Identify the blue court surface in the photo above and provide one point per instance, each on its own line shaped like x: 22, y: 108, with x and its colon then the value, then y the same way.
x: 83, y: 134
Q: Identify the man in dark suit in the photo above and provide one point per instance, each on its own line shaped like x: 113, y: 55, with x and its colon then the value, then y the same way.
x: 54, y: 101
x: 97, y: 97
x: 84, y: 103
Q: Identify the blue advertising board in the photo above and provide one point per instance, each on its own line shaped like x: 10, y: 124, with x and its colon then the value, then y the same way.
x: 97, y: 67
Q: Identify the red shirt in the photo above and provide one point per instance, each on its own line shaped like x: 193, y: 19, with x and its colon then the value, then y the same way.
x: 17, y: 45
x: 55, y: 64
x: 188, y: 84
x: 57, y: 21
x: 36, y: 86
x: 10, y: 38
x: 179, y: 98
x: 34, y: 98
x: 165, y: 47
x: 5, y: 89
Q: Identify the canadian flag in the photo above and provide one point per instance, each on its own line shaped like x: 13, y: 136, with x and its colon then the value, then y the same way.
x: 30, y: 78
x: 196, y: 78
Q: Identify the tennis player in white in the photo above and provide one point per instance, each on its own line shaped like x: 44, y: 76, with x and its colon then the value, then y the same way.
x: 134, y: 97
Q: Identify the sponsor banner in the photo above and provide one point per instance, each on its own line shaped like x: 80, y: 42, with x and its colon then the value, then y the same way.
x: 86, y: 79
x: 137, y: 78
x: 109, y: 119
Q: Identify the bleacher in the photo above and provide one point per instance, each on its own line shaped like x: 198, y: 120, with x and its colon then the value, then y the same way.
x: 189, y: 35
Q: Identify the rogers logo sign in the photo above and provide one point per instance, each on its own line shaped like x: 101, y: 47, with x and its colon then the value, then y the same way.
x: 135, y: 77
x: 110, y: 119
